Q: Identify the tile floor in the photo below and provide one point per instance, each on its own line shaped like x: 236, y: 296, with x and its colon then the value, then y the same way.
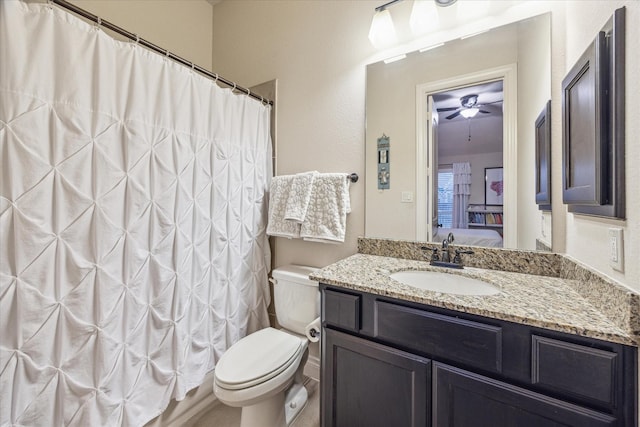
x: 226, y: 416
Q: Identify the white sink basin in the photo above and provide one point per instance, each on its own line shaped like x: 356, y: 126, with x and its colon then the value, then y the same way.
x: 444, y: 282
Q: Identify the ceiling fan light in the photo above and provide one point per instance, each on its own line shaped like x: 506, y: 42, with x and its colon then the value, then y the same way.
x: 468, y: 113
x: 382, y: 32
x: 424, y: 17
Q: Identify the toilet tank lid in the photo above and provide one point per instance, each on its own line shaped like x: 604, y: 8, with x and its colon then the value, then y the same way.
x: 295, y: 273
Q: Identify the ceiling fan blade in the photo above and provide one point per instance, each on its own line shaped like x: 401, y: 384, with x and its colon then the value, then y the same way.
x: 454, y: 115
x: 440, y: 110
x: 489, y: 103
x: 485, y: 112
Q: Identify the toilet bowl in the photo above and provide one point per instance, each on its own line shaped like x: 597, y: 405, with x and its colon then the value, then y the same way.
x: 263, y: 372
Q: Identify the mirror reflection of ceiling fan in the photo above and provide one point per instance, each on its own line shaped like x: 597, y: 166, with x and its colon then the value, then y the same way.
x: 469, y: 107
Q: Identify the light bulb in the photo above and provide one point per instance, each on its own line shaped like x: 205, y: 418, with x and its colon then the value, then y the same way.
x: 382, y: 32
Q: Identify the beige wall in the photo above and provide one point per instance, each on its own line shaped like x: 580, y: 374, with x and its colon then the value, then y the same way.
x: 319, y: 50
x: 182, y: 26
x: 587, y: 238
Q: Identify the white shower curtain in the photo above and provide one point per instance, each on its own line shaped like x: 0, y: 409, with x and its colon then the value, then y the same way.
x: 133, y: 250
x: 461, y: 193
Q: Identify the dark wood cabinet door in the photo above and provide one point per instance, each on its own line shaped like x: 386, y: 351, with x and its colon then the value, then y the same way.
x: 366, y: 384
x: 464, y: 399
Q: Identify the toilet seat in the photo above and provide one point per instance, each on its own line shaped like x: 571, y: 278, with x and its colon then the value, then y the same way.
x: 257, y: 358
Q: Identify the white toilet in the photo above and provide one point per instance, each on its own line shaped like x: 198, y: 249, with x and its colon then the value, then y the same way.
x: 262, y: 373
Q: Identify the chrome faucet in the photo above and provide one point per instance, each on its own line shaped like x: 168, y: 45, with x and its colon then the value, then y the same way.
x: 446, y: 256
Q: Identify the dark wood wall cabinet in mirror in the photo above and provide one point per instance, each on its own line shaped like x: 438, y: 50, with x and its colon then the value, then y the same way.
x: 593, y: 122
x: 543, y: 158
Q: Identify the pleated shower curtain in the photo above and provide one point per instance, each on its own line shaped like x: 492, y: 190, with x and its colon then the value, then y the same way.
x: 133, y: 207
x: 461, y: 193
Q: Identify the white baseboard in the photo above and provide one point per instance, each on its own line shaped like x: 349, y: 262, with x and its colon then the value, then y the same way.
x: 182, y: 413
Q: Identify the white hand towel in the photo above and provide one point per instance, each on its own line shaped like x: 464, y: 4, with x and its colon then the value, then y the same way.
x: 326, y: 219
x: 299, y: 196
x: 278, y: 196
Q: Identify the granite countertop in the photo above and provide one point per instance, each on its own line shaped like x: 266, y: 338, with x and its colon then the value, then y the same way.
x: 542, y: 301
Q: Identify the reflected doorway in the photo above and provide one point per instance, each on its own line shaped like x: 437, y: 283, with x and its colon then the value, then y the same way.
x: 426, y: 159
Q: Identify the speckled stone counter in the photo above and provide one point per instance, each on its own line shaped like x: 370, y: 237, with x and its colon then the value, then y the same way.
x: 537, y: 300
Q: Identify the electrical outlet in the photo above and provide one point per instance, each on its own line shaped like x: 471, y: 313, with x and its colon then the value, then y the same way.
x: 616, y: 245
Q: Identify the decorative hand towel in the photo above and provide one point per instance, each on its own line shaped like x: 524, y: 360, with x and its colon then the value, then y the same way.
x: 278, y: 196
x: 326, y: 219
x: 299, y: 196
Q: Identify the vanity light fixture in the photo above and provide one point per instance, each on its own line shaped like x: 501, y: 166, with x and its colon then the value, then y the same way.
x: 468, y: 113
x: 424, y: 16
x: 382, y: 32
x: 445, y: 3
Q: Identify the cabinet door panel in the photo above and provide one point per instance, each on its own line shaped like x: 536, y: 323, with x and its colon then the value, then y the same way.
x: 367, y: 384
x: 464, y: 399
x: 578, y: 370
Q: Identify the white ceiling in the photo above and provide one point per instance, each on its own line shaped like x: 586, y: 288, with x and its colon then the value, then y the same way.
x: 485, y: 130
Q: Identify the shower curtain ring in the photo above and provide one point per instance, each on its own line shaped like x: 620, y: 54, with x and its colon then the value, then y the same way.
x: 234, y: 86
x: 137, y: 39
x: 167, y: 53
x: 98, y: 23
x: 216, y: 80
x: 248, y: 92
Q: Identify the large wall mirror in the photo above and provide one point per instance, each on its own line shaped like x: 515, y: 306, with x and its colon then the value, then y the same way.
x: 460, y: 122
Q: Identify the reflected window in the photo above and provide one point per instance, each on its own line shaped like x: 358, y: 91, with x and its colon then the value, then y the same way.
x: 445, y: 196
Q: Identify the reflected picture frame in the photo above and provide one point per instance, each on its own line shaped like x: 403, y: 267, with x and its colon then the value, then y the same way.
x: 493, y: 186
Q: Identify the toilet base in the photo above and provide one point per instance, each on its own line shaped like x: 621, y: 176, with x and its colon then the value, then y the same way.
x: 295, y: 401
x: 268, y: 412
x: 279, y: 410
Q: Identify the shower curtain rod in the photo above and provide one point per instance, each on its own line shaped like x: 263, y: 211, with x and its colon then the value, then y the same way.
x: 134, y: 37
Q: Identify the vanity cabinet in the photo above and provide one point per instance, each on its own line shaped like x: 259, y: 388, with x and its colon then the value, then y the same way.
x: 389, y: 362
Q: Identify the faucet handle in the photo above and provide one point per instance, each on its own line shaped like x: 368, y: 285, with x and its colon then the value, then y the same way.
x: 458, y: 258
x: 434, y: 255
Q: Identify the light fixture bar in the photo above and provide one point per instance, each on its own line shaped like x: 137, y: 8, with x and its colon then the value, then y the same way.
x: 384, y: 6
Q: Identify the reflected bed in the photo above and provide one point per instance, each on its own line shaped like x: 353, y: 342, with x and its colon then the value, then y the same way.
x: 474, y: 237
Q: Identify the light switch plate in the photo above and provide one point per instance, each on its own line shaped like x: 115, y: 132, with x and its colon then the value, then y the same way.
x: 407, y: 196
x: 616, y: 245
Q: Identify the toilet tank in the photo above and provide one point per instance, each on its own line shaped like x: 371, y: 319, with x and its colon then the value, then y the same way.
x: 296, y: 298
